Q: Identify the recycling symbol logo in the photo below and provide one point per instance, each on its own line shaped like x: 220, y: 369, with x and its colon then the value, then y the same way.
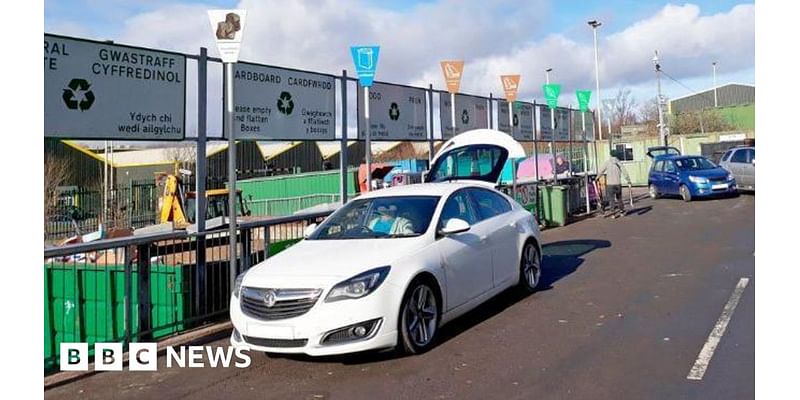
x: 394, y: 112
x: 285, y: 103
x: 77, y: 95
x: 465, y: 117
x: 516, y: 120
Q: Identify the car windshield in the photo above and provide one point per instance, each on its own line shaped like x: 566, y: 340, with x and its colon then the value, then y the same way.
x: 694, y: 163
x: 379, y: 217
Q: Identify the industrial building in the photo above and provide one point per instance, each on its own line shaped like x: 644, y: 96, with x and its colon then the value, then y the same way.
x: 735, y: 102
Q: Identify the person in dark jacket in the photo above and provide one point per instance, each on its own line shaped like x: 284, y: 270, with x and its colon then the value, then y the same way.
x: 614, y: 171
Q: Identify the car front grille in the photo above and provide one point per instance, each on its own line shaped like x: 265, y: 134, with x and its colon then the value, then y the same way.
x: 720, y: 179
x: 288, y: 303
x: 282, y: 343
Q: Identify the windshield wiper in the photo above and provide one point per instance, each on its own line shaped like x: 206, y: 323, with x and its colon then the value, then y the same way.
x: 399, y: 235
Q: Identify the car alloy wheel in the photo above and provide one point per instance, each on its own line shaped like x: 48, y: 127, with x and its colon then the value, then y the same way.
x: 531, y: 268
x: 653, y: 192
x: 685, y: 194
x: 419, y: 318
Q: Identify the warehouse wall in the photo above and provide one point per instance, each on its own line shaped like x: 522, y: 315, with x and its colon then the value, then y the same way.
x: 84, y: 170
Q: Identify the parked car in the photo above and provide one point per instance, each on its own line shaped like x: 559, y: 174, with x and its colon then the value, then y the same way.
x: 741, y: 162
x: 688, y: 176
x: 390, y: 267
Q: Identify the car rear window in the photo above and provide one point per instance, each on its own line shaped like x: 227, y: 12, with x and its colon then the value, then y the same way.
x: 489, y: 204
x: 727, y: 155
x: 740, y: 156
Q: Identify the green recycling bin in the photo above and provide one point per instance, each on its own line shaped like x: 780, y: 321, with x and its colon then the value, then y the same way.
x: 553, y: 200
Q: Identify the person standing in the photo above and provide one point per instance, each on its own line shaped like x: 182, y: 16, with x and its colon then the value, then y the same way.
x: 614, y: 170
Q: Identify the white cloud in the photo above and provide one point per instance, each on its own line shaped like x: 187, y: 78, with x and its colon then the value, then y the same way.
x: 493, y: 37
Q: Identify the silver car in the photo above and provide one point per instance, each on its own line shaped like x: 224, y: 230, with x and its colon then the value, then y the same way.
x: 741, y: 162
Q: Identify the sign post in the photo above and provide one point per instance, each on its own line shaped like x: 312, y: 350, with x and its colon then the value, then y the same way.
x: 365, y: 59
x: 583, y: 103
x: 227, y: 26
x: 453, y: 70
x: 510, y: 87
x: 551, y: 92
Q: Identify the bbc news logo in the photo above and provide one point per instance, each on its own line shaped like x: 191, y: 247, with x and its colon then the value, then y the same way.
x: 144, y: 357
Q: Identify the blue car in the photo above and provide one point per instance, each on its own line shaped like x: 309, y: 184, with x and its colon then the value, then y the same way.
x: 688, y: 176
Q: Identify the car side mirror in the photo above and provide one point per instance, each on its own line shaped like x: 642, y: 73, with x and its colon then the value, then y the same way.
x: 309, y: 230
x: 453, y: 226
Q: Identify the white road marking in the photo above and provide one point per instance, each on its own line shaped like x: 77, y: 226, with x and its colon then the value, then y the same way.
x: 701, y: 364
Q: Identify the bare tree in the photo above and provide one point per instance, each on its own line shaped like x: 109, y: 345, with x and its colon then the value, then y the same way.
x: 623, y: 109
x: 56, y: 173
x: 648, y: 115
x: 182, y: 156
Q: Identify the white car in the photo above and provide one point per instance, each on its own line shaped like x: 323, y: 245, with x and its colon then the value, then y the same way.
x: 392, y: 266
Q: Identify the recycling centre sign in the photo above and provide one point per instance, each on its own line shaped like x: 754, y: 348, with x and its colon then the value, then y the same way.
x: 396, y: 112
x: 470, y: 114
x: 282, y: 104
x: 97, y: 90
x: 522, y: 120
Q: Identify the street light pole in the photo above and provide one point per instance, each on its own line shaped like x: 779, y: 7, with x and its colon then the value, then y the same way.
x: 714, y: 67
x: 595, y: 24
x: 661, y: 132
x: 547, y: 75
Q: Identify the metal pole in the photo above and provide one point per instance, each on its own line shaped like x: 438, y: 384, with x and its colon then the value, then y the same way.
x: 343, y: 148
x: 535, y: 146
x: 200, y: 177
x: 553, y: 143
x: 597, y: 83
x: 513, y: 162
x: 491, y: 111
x: 231, y: 172
x: 200, y: 164
x: 430, y: 125
x: 585, y: 160
x: 536, y: 163
x: 661, y: 132
x: 594, y: 143
x: 453, y: 112
x: 369, y: 147
x: 569, y: 131
x: 597, y: 168
x: 105, y: 185
x: 714, y: 66
x: 111, y: 179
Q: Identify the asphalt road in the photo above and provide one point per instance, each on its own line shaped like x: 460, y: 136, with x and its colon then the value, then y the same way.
x: 625, y: 307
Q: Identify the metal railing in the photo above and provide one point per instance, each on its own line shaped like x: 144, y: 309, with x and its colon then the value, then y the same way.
x: 143, y: 288
x: 289, y: 205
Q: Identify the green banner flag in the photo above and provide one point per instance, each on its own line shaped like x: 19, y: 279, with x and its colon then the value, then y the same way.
x: 583, y: 99
x: 551, y: 92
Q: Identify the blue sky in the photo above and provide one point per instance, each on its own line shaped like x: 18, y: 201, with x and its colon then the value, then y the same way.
x: 491, y: 36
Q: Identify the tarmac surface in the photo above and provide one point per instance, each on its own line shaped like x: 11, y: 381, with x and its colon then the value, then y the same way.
x: 623, y: 311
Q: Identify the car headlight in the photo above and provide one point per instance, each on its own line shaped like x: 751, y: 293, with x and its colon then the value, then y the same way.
x: 698, y: 179
x: 237, y: 284
x: 729, y: 177
x: 359, y: 285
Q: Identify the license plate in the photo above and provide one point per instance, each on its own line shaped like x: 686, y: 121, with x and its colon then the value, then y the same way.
x: 270, y: 331
x: 720, y: 186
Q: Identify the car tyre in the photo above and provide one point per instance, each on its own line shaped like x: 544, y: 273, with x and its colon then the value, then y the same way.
x: 530, y: 268
x: 419, y: 318
x: 685, y: 193
x: 653, y: 192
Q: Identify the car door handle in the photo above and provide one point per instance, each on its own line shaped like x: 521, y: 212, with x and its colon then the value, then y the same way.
x: 483, y: 238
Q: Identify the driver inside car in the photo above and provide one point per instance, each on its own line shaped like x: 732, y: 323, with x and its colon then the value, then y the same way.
x: 389, y: 223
